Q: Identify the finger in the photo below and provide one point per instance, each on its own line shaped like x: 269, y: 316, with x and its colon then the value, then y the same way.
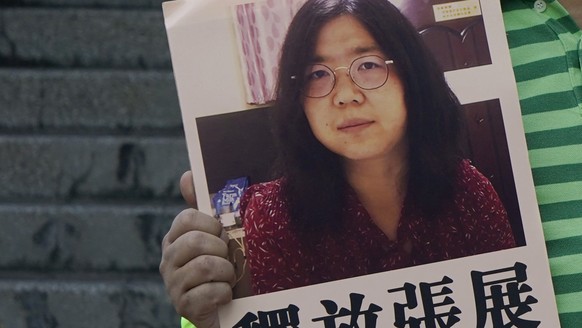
x: 192, y: 220
x: 204, y: 269
x: 224, y: 237
x: 187, y: 188
x: 191, y: 245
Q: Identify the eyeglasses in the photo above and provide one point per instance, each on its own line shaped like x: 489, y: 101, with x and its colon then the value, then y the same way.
x: 367, y: 72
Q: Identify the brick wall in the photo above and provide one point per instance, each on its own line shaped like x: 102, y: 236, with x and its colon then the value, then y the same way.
x: 91, y: 151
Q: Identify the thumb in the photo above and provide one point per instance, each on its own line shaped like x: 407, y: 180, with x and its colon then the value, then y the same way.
x: 209, y: 321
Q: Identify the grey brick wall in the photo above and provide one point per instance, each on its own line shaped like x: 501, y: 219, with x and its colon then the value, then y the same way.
x: 91, y: 151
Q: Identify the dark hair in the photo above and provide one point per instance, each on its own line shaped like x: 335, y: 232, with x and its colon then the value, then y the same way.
x: 314, y: 181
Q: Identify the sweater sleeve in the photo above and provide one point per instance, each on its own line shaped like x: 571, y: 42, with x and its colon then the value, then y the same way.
x: 488, y: 222
x: 271, y: 247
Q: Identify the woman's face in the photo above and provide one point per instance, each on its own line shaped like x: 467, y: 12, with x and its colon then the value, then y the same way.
x: 354, y: 123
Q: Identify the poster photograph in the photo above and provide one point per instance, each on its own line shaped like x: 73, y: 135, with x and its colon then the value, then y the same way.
x: 225, y: 56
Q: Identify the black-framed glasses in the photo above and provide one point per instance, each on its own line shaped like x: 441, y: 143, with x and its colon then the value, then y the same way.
x: 367, y: 72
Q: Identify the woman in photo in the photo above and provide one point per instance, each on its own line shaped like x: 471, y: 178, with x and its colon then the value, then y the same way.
x: 372, y: 176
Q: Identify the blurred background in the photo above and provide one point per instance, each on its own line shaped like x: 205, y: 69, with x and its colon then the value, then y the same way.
x: 91, y: 151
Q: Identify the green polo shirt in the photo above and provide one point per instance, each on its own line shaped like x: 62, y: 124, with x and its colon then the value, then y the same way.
x: 545, y: 47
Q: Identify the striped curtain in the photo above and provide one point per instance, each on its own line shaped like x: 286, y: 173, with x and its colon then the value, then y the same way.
x: 260, y: 28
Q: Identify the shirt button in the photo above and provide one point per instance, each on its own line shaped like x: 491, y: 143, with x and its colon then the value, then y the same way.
x: 540, y: 6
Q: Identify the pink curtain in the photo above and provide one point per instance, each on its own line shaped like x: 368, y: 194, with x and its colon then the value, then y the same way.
x: 260, y: 28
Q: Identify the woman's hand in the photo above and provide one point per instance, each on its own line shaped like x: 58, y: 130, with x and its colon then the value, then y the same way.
x: 196, y: 273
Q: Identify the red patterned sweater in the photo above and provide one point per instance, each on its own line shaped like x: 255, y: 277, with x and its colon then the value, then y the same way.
x: 475, y: 222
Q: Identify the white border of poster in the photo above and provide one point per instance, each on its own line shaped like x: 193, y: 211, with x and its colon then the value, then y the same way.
x: 202, y: 37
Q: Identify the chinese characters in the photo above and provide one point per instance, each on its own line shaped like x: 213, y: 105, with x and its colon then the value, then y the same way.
x: 501, y: 299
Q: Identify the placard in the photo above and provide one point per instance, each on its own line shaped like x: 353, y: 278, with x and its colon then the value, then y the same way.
x: 225, y: 121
